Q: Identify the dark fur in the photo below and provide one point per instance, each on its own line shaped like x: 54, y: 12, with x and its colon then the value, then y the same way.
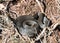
x: 30, y: 31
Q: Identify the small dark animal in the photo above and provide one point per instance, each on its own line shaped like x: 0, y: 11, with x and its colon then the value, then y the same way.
x: 26, y: 25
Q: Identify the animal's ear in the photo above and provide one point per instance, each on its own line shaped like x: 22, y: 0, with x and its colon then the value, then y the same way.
x: 46, y: 21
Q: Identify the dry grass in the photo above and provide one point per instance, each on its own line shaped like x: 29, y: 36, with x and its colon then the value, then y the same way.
x: 30, y: 7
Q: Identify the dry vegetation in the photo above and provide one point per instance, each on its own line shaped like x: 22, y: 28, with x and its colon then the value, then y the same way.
x: 29, y: 7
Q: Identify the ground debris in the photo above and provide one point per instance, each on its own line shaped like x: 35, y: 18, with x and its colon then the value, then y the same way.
x: 14, y: 9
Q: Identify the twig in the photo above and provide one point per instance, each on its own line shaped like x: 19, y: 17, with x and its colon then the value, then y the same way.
x: 41, y: 34
x: 45, y: 41
x: 39, y: 4
x: 53, y: 27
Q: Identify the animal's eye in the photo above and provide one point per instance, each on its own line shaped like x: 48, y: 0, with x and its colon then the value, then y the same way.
x: 27, y: 23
